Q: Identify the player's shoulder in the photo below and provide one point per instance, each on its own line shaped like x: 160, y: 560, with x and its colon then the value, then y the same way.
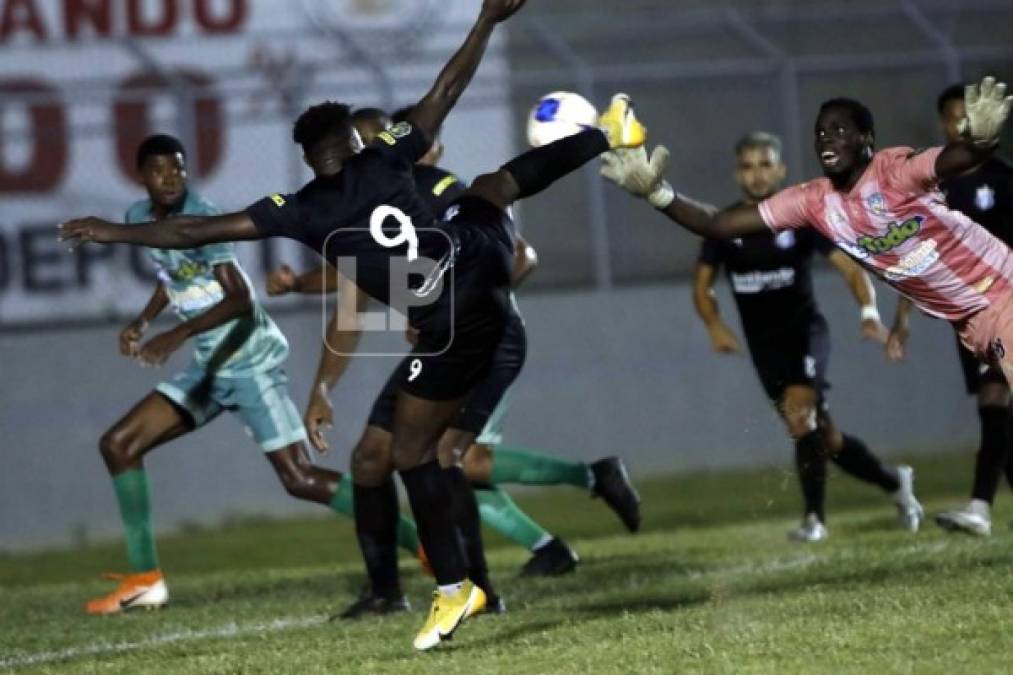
x: 138, y: 212
x: 196, y: 204
x: 437, y: 179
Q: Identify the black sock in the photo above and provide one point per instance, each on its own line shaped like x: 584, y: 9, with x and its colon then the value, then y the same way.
x: 812, y: 472
x: 1009, y: 455
x: 429, y: 496
x: 856, y: 460
x: 376, y: 516
x: 470, y: 527
x: 536, y: 169
x: 991, y: 459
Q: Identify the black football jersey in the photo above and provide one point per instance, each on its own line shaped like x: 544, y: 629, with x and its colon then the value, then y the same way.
x: 985, y: 196
x: 438, y: 187
x: 367, y: 215
x: 770, y: 277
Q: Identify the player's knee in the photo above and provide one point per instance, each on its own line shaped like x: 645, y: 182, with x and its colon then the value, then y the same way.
x: 993, y: 395
x: 371, y: 464
x: 800, y: 420
x: 477, y: 463
x: 408, y: 455
x: 117, y: 448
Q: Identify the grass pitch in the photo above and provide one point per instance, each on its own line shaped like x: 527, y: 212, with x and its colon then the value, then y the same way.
x: 711, y: 585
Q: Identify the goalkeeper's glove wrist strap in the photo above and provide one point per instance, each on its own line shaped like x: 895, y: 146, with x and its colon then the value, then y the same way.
x: 662, y: 196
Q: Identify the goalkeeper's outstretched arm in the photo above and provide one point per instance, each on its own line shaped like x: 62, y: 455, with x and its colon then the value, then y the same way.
x: 643, y: 177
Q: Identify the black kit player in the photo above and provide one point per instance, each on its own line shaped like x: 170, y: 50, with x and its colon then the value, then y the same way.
x: 789, y: 340
x: 475, y: 431
x: 321, y: 133
x: 369, y: 212
x: 985, y: 195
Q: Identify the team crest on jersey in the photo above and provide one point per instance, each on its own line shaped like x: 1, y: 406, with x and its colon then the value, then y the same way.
x: 984, y: 198
x: 876, y: 203
x: 784, y: 240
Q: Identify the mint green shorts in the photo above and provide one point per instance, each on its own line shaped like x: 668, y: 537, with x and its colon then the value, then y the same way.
x: 260, y: 401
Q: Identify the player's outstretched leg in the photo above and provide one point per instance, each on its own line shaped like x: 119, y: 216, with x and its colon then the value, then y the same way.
x: 154, y: 420
x: 530, y: 173
x: 606, y: 478
x: 853, y: 457
x: 550, y: 555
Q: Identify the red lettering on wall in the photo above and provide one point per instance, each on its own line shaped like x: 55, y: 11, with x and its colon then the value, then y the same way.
x: 228, y: 22
x: 48, y: 161
x: 21, y: 15
x: 132, y: 119
x: 96, y: 14
x: 140, y: 25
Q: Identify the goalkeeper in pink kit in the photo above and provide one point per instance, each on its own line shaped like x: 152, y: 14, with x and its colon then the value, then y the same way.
x: 883, y: 208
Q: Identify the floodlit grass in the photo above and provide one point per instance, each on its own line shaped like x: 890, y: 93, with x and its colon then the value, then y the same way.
x: 711, y: 585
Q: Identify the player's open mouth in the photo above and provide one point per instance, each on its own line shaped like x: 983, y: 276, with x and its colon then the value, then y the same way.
x: 829, y: 158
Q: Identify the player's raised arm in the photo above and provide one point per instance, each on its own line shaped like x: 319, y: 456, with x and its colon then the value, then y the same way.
x: 987, y: 107
x: 430, y: 112
x: 178, y: 232
x: 643, y: 177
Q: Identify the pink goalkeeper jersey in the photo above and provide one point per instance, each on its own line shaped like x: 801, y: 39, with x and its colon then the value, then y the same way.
x: 896, y: 222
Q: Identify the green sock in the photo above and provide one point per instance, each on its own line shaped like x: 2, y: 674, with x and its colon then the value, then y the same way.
x: 343, y: 502
x: 132, y: 493
x: 499, y: 512
x: 516, y: 465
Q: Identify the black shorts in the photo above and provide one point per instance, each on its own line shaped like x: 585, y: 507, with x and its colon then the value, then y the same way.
x: 508, y: 359
x: 459, y: 334
x: 976, y: 371
x: 799, y: 354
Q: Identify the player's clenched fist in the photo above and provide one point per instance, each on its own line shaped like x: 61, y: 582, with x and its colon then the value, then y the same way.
x: 319, y: 414
x: 131, y: 336
x: 281, y: 281
x: 500, y: 10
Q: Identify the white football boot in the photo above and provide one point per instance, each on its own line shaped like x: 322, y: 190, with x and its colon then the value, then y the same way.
x: 811, y: 530
x: 909, y: 511
x: 973, y: 518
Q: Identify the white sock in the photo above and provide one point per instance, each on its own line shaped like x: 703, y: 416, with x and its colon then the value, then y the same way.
x: 450, y: 590
x: 544, y: 541
x: 979, y: 507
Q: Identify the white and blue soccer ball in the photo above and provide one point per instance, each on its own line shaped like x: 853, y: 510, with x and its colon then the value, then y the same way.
x: 558, y: 115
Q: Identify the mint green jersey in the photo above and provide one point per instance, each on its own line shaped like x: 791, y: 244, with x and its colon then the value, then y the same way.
x: 240, y: 348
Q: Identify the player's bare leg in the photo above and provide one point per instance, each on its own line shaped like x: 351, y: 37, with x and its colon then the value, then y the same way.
x: 151, y: 422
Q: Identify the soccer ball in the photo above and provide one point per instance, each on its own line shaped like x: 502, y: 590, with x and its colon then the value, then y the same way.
x: 558, y: 115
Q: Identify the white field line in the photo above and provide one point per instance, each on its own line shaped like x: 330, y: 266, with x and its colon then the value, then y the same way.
x: 228, y: 630
x: 234, y: 630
